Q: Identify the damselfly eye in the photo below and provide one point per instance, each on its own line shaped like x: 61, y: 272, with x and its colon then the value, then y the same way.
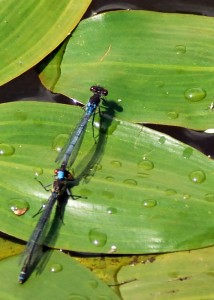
x: 93, y: 89
x: 105, y: 92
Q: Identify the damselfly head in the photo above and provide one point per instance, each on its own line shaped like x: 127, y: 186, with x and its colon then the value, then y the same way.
x: 98, y: 90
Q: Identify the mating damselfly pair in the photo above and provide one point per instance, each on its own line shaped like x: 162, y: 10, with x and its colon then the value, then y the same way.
x: 62, y: 178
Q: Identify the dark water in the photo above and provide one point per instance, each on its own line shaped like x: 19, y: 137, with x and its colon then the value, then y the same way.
x: 28, y: 87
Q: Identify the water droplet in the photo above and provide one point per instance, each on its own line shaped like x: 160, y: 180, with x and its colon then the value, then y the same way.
x: 170, y: 192
x: 110, y: 178
x: 197, y: 176
x: 195, y: 94
x: 130, y: 182
x: 146, y: 164
x: 162, y: 140
x: 111, y: 210
x: 77, y: 297
x: 56, y: 268
x: 18, y: 206
x: 180, y: 49
x: 93, y: 283
x: 116, y: 163
x: 85, y: 192
x: 6, y: 150
x: 149, y: 203
x: 97, y: 237
x: 209, y: 197
x: 38, y: 171
x: 186, y: 196
x: 60, y: 141
x: 96, y: 167
x: 108, y: 194
x: 113, y: 249
x: 172, y: 115
x: 187, y: 152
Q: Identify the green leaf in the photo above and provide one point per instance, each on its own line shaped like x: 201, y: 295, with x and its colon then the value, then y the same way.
x: 69, y: 281
x: 146, y: 192
x: 184, y: 275
x: 159, y: 65
x: 30, y: 30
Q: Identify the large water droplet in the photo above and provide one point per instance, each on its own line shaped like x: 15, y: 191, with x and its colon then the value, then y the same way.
x: 38, y: 171
x: 97, y: 237
x: 187, y: 152
x: 197, y: 176
x: 56, y: 268
x: 195, y: 94
x: 116, y: 163
x: 149, y: 203
x: 60, y: 141
x: 130, y: 182
x: 209, y: 197
x: 6, y: 150
x: 172, y: 115
x: 18, y: 206
x: 146, y: 164
x: 180, y: 49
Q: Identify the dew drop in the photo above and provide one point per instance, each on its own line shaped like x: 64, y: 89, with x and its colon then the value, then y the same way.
x: 116, y: 163
x: 108, y: 194
x: 187, y: 152
x: 113, y: 249
x: 111, y: 210
x: 110, y: 178
x: 186, y: 196
x: 18, y: 206
x: 38, y: 171
x: 93, y: 283
x: 195, y: 94
x: 170, y: 192
x: 97, y: 237
x: 60, y: 141
x: 180, y: 49
x: 162, y: 140
x: 209, y: 197
x: 149, y: 203
x: 130, y: 182
x: 172, y: 115
x: 6, y: 150
x: 146, y: 164
x: 197, y: 176
x: 56, y: 268
x: 77, y: 297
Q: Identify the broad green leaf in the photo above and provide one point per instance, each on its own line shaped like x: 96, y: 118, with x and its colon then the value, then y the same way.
x: 146, y: 192
x: 69, y: 281
x: 159, y: 65
x: 183, y: 275
x: 30, y: 30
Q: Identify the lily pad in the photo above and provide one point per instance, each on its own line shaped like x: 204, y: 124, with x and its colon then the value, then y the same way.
x: 159, y: 65
x: 140, y: 191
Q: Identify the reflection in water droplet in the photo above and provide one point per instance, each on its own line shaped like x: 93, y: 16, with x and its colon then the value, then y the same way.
x: 172, y: 115
x: 38, y: 171
x: 97, y: 237
x: 170, y: 192
x: 18, y: 206
x: 116, y: 163
x: 197, y: 176
x: 60, y: 141
x: 180, y: 49
x: 108, y: 194
x: 209, y: 197
x: 187, y: 152
x: 162, y: 140
x: 6, y: 150
x: 186, y: 196
x: 130, y: 182
x: 146, y: 164
x: 195, y: 94
x: 56, y: 268
x: 77, y: 297
x: 149, y: 203
x: 111, y: 210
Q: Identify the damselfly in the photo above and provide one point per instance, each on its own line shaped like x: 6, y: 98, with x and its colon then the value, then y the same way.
x: 67, y: 155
